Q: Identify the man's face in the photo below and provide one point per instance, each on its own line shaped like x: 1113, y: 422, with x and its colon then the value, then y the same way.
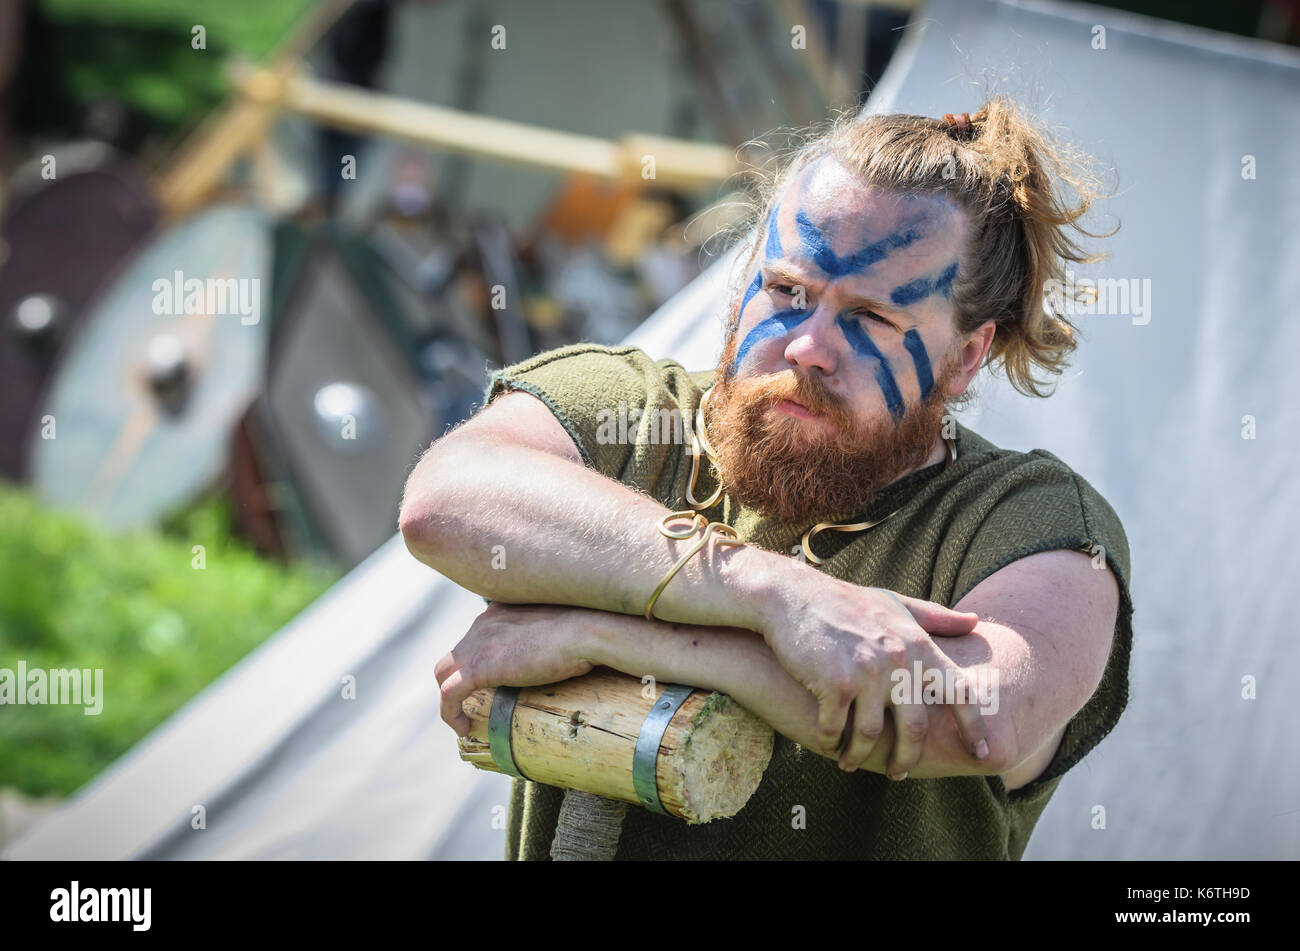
x: 834, y: 382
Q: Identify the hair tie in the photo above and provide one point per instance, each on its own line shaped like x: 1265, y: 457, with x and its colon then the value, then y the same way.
x: 962, y: 122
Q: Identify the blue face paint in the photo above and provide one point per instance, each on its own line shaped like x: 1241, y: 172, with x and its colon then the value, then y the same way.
x: 863, y: 345
x: 782, y: 322
x: 755, y: 286
x: 817, y: 245
x: 923, y: 287
x: 771, y: 251
x: 924, y: 374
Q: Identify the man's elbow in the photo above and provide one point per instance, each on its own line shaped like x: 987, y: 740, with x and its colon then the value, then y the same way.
x: 419, y: 518
x: 1005, y: 749
x: 414, y: 524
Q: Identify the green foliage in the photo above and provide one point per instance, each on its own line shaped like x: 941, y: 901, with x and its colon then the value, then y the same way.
x: 139, y: 53
x: 251, y: 28
x: 74, y: 596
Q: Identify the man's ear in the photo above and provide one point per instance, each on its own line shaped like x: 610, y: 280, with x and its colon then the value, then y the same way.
x: 970, y: 357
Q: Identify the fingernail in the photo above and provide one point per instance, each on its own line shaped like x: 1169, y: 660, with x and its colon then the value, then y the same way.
x: 900, y: 777
x: 982, y: 749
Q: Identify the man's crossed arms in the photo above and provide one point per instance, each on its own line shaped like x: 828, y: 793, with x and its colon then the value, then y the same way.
x: 812, y: 655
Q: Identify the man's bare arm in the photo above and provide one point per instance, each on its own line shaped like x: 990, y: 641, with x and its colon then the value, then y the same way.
x: 1050, y: 620
x: 739, y: 664
x: 513, y: 477
x: 1049, y: 629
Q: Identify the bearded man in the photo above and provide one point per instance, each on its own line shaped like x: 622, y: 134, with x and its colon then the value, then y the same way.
x: 896, y: 256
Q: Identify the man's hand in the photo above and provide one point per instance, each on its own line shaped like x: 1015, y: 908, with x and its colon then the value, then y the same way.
x: 545, y: 644
x: 844, y: 642
x: 513, y: 645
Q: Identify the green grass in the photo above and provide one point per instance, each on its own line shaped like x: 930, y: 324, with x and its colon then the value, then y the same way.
x: 75, y: 596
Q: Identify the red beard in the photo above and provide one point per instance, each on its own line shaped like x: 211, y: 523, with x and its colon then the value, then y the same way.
x: 798, y: 471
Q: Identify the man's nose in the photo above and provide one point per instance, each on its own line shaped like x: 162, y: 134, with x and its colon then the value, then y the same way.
x: 812, y: 345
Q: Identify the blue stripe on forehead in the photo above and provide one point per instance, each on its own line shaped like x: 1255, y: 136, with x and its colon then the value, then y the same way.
x: 819, y: 247
x: 923, y: 287
x: 755, y: 286
x: 773, y: 249
x: 863, y: 345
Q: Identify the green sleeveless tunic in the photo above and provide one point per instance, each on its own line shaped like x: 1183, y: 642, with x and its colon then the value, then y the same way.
x: 950, y: 530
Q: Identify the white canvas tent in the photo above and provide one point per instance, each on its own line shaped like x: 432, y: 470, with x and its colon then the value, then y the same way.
x: 1153, y: 412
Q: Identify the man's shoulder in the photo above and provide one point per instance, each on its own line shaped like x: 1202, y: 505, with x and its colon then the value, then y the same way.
x: 625, y: 410
x: 1006, y: 469
x: 595, y: 358
x: 1035, y: 498
x: 703, y: 378
x: 988, y: 452
x: 585, y: 375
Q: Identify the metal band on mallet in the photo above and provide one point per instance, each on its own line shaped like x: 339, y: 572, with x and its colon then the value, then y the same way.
x: 645, y: 778
x: 499, y: 719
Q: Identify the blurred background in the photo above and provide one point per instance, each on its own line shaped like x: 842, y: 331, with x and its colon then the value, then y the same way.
x: 256, y: 255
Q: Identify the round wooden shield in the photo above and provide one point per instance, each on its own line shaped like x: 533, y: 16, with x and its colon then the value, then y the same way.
x: 61, y: 241
x: 147, y: 397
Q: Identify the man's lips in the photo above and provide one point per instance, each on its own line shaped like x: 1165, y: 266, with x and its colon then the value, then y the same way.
x: 797, y: 409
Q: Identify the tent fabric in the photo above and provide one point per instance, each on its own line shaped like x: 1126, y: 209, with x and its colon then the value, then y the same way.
x: 1179, y: 413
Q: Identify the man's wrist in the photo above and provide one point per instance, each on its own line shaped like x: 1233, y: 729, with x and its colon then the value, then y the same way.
x: 592, y: 636
x: 763, y: 586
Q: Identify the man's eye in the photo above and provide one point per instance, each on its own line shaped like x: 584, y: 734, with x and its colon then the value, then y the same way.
x: 786, y: 289
x: 872, y: 315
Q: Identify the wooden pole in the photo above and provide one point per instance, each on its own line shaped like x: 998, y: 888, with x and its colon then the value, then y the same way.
x: 677, y: 163
x: 581, y: 734
x: 221, y: 139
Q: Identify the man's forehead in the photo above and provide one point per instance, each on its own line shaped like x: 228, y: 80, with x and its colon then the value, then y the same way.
x: 831, y: 221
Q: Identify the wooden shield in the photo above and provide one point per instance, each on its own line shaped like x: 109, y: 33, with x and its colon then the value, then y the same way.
x: 147, y: 396
x: 343, y: 417
x: 63, y: 240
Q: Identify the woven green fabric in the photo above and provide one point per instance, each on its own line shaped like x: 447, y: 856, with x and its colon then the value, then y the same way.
x: 951, y: 529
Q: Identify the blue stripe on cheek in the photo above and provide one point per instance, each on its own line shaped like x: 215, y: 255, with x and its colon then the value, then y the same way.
x: 924, y: 373
x: 779, y: 323
x: 863, y: 345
